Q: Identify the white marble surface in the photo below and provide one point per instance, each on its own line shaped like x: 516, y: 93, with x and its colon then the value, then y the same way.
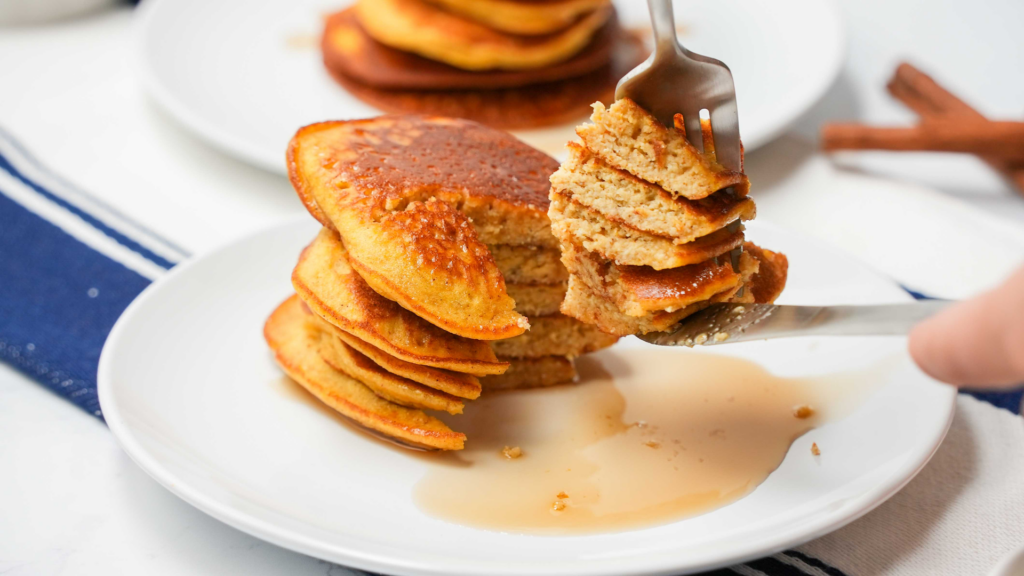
x: 72, y: 503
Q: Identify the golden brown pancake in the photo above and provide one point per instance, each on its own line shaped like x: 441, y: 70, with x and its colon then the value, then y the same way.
x: 529, y: 264
x: 522, y: 17
x: 327, y: 283
x: 627, y: 137
x: 422, y: 28
x: 454, y: 383
x: 624, y: 244
x: 393, y: 187
x: 388, y: 386
x: 349, y: 50
x: 557, y: 335
x: 767, y: 284
x: 637, y: 299
x: 622, y: 197
x: 532, y: 373
x: 537, y: 299
x: 294, y: 341
x: 534, y: 106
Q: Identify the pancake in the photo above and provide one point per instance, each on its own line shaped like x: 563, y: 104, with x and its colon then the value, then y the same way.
x: 388, y: 386
x: 454, y: 383
x: 294, y: 342
x: 636, y: 299
x: 626, y: 245
x: 537, y: 299
x: 349, y: 50
x: 622, y: 197
x: 767, y: 284
x: 529, y: 264
x: 402, y: 192
x: 533, y: 106
x: 557, y: 335
x: 532, y: 373
x: 626, y: 137
x: 330, y: 287
x: 434, y: 33
x: 519, y: 17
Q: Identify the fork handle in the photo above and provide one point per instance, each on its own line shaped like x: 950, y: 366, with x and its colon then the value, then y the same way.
x: 663, y: 23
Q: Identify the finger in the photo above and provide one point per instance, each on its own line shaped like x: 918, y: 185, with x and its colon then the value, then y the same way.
x: 979, y: 342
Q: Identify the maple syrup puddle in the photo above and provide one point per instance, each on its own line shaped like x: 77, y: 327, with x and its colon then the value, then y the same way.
x: 671, y: 436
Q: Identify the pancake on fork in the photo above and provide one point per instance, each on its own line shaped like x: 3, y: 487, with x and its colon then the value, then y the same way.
x: 414, y: 199
x: 522, y: 16
x: 422, y: 28
x: 327, y: 283
x: 651, y: 229
x: 295, y: 342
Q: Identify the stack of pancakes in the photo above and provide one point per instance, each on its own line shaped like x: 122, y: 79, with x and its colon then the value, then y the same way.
x: 505, y: 63
x: 435, y: 274
x: 651, y: 229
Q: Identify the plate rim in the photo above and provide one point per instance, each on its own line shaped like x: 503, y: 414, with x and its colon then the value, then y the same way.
x: 266, y: 530
x: 240, y: 148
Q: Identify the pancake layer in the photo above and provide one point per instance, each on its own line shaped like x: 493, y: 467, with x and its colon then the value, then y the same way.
x: 533, y: 373
x: 557, y: 335
x: 405, y: 193
x: 348, y: 50
x: 519, y: 17
x: 295, y: 343
x: 329, y: 285
x: 422, y: 28
x: 626, y: 137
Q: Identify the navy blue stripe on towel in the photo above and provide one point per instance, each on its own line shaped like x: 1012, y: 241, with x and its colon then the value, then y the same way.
x: 58, y: 301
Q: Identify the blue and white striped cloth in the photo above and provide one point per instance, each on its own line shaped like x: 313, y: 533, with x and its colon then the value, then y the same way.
x: 70, y: 264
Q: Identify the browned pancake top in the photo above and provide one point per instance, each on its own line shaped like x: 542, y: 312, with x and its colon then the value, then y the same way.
x: 400, y: 159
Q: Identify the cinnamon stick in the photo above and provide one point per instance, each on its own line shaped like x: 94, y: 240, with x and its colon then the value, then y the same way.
x: 932, y: 103
x: 1001, y: 140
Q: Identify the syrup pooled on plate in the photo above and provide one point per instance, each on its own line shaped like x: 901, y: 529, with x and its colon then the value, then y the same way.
x: 672, y: 435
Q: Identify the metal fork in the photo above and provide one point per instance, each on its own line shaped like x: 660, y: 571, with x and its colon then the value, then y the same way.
x: 722, y: 323
x: 674, y: 80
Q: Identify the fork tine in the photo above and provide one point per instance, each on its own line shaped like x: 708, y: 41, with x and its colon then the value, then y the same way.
x: 726, y: 130
x: 691, y: 116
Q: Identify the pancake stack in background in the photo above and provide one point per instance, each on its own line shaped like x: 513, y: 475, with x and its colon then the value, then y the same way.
x: 505, y: 63
x: 435, y: 275
x: 651, y: 229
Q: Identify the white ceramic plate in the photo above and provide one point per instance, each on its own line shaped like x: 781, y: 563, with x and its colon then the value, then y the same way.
x: 190, y: 391
x: 230, y: 70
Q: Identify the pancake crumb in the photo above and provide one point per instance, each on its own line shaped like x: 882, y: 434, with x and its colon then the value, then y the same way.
x: 557, y: 506
x: 652, y: 444
x: 803, y: 412
x: 562, y: 496
x: 511, y: 453
x: 814, y: 449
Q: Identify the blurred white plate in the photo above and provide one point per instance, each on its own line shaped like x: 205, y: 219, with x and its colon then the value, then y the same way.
x: 245, y: 75
x: 189, y: 389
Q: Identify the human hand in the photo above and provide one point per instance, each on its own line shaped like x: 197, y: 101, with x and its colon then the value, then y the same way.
x: 977, y: 342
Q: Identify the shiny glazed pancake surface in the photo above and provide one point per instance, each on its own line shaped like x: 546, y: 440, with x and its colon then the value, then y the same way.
x: 327, y: 283
x: 432, y: 32
x: 522, y: 17
x: 294, y: 341
x: 533, y: 106
x: 349, y: 50
x: 400, y: 190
